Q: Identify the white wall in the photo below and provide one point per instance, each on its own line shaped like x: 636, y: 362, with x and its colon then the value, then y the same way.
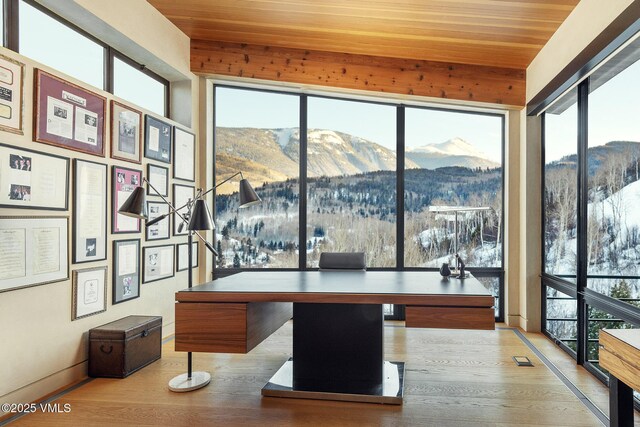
x: 41, y: 349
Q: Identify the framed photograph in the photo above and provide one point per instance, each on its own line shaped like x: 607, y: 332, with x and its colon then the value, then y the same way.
x: 160, y: 230
x: 33, y: 180
x: 89, y: 292
x: 157, y: 262
x: 11, y: 95
x: 68, y: 116
x: 158, y: 176
x: 124, y: 181
x: 126, y: 270
x: 182, y: 256
x: 34, y: 251
x: 157, y: 139
x: 89, y: 211
x: 184, y: 157
x: 126, y: 133
x: 181, y: 195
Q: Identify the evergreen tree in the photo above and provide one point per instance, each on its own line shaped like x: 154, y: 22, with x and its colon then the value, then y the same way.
x: 236, y: 261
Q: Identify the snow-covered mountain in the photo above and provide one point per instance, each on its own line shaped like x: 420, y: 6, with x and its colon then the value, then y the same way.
x: 454, y: 152
x: 453, y: 147
x: 330, y: 153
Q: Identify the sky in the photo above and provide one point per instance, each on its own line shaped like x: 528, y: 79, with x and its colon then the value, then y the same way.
x: 375, y: 122
x: 614, y: 115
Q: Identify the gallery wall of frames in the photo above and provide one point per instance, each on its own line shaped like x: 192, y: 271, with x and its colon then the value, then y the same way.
x: 70, y: 156
x: 81, y: 125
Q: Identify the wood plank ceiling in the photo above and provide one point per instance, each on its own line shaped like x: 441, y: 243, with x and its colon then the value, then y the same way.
x: 495, y: 33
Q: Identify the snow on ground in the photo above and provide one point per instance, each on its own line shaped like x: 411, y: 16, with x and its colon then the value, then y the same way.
x: 624, y: 204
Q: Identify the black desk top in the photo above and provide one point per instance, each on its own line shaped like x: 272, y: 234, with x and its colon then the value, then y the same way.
x: 300, y: 285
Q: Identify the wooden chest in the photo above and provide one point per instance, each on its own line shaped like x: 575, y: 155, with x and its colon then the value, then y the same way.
x: 124, y: 346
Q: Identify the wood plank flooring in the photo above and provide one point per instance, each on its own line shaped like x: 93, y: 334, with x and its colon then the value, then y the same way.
x: 453, y: 378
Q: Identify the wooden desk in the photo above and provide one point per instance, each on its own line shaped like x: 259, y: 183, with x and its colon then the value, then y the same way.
x: 620, y: 355
x: 337, y: 328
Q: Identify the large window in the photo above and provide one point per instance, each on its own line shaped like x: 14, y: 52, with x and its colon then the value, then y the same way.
x: 328, y: 172
x: 591, y: 240
x: 560, y: 187
x: 613, y: 243
x: 47, y: 40
x: 257, y: 133
x: 351, y: 170
x: 138, y: 87
x: 53, y: 41
x: 453, y: 188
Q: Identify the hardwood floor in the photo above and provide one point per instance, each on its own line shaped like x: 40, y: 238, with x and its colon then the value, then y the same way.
x: 453, y: 378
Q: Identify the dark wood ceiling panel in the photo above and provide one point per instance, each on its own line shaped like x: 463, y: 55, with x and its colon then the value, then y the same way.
x: 500, y: 33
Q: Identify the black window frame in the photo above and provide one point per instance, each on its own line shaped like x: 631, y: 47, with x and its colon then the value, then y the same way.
x: 497, y: 272
x: 584, y: 296
x: 12, y: 41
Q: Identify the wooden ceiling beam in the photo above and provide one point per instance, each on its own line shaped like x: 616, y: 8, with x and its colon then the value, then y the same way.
x: 462, y: 82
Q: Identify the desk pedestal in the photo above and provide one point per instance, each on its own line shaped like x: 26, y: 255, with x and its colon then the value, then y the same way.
x: 338, y: 355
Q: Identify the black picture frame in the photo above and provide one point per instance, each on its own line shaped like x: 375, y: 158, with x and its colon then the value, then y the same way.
x: 162, y: 256
x: 152, y: 172
x: 179, y: 259
x: 158, y: 137
x: 56, y: 166
x: 123, y: 280
x: 150, y: 230
x: 95, y: 245
x: 184, y: 157
x: 178, y: 201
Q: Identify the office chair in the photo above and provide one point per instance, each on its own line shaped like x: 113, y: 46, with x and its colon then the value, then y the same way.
x: 353, y: 261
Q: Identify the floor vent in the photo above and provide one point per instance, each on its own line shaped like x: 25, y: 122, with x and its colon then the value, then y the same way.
x: 522, y: 360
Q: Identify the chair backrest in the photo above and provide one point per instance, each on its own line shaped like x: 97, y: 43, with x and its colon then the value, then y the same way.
x: 343, y: 261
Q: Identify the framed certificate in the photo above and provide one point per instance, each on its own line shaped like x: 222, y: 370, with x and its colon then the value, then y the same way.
x: 157, y: 139
x: 158, y: 176
x: 11, y: 95
x: 126, y: 270
x: 158, y: 263
x: 33, y: 180
x: 184, y: 158
x: 182, y: 256
x: 89, y: 292
x: 126, y: 133
x: 90, y: 211
x: 68, y: 116
x: 181, y: 195
x: 160, y: 230
x: 33, y: 251
x: 124, y: 182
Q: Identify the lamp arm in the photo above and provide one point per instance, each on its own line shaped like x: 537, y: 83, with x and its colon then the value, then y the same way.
x: 222, y: 182
x: 172, y: 209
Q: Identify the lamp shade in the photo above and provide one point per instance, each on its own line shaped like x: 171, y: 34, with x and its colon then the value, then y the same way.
x: 200, y: 217
x: 135, y: 205
x: 248, y: 195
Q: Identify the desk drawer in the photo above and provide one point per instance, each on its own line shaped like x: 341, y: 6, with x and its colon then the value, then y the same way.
x: 227, y: 327
x: 450, y: 317
x: 620, y: 358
